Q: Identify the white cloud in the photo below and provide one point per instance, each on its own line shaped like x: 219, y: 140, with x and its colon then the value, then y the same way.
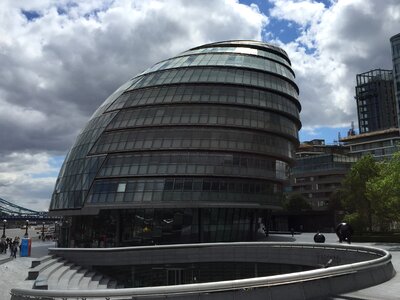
x: 27, y: 179
x: 340, y: 41
x: 311, y: 130
x: 63, y: 60
x: 14, y: 113
x: 60, y: 65
x: 300, y: 12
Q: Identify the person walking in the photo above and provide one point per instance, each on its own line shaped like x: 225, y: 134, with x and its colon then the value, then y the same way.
x: 344, y: 231
x: 17, y: 242
x: 3, y: 245
x: 9, y: 243
x: 14, y: 250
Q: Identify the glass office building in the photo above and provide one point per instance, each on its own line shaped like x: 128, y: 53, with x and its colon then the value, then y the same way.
x: 395, y: 43
x: 376, y: 105
x: 194, y: 149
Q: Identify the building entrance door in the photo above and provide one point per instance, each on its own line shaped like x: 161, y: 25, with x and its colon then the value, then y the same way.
x: 174, y: 276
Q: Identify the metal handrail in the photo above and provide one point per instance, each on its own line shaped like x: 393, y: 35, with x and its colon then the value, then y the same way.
x: 207, y: 245
x: 383, y: 257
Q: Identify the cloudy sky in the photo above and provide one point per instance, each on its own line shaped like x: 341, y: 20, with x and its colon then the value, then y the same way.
x: 61, y: 58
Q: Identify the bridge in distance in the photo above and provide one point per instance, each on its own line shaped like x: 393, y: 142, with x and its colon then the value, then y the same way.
x: 10, y: 211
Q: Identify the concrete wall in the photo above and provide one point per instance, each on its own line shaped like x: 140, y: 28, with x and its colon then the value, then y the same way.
x: 353, y: 268
x: 297, y: 254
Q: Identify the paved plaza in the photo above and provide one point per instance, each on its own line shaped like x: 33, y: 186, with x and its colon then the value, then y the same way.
x: 389, y: 290
x: 14, y: 272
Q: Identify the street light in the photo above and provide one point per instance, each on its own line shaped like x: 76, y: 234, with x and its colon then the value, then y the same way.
x: 4, y: 229
x: 56, y: 232
x: 26, y: 229
x: 43, y: 231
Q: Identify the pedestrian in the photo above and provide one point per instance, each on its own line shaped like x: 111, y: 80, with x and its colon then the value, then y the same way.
x: 16, y: 242
x: 3, y: 245
x: 292, y: 231
x: 9, y: 243
x: 14, y: 250
x: 344, y: 231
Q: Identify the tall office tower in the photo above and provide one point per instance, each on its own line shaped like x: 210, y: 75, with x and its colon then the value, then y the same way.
x: 395, y: 43
x: 194, y: 149
x: 376, y: 103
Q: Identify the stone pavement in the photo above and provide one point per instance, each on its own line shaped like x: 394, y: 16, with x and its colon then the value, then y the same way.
x: 14, y: 272
x: 389, y: 290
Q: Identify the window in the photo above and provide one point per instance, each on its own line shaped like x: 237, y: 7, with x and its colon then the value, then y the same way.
x: 121, y: 187
x: 168, y: 185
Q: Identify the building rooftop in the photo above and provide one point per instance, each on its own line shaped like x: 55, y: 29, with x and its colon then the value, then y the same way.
x: 395, y: 37
x: 370, y: 134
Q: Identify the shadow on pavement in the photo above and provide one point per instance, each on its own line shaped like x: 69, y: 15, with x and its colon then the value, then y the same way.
x: 279, y: 238
x: 390, y: 246
x: 340, y: 297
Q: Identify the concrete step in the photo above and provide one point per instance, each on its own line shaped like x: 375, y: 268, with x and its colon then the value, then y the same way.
x: 73, y: 284
x: 54, y: 278
x: 34, y: 272
x: 85, y: 281
x: 103, y: 284
x: 67, y: 276
x: 54, y: 273
x: 112, y: 284
x: 95, y: 282
x: 41, y: 260
x: 41, y: 281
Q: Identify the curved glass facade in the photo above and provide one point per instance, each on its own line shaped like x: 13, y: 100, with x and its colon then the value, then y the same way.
x: 228, y: 95
x: 186, y: 139
x: 177, y: 115
x: 222, y: 59
x: 194, y: 149
x: 243, y: 50
x: 221, y: 75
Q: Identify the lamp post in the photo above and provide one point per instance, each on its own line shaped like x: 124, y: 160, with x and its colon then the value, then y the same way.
x: 4, y: 229
x: 55, y: 229
x: 43, y: 231
x: 26, y: 229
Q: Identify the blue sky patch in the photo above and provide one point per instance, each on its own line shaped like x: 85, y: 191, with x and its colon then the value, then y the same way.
x: 55, y: 163
x: 330, y: 134
x: 30, y: 15
x: 283, y: 30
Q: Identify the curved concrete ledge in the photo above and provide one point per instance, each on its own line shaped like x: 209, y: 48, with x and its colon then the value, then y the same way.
x: 351, y: 268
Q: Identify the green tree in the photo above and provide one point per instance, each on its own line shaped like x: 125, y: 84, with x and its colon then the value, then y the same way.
x: 384, y: 192
x: 335, y: 200
x: 295, y: 203
x: 354, y: 191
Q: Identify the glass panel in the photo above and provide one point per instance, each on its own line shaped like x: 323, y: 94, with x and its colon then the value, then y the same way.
x: 248, y: 118
x: 223, y: 75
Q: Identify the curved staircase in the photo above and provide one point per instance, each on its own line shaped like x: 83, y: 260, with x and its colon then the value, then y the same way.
x: 54, y: 273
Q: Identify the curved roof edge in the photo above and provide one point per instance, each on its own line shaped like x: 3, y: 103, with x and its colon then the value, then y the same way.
x: 251, y: 43
x: 396, y: 36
